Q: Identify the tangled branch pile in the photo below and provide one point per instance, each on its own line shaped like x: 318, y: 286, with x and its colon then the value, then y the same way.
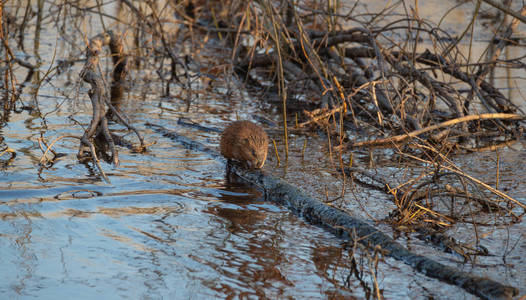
x: 365, y: 79
x: 400, y: 80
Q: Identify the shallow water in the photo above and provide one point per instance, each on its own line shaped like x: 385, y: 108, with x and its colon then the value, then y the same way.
x: 167, y: 226
x: 170, y: 226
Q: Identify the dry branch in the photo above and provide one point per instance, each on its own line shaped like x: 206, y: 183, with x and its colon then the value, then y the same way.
x: 402, y: 137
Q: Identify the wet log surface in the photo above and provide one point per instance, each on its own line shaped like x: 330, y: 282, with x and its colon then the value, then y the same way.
x: 346, y: 226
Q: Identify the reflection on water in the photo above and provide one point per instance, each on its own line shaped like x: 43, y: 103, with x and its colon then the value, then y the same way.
x: 158, y: 234
x: 153, y: 245
x: 169, y: 225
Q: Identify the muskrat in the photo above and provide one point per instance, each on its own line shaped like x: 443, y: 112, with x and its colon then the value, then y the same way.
x: 246, y: 142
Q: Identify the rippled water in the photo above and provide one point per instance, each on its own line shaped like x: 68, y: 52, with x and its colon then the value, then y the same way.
x: 169, y: 225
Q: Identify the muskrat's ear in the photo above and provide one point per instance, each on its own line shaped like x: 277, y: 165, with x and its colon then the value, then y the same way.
x: 246, y: 141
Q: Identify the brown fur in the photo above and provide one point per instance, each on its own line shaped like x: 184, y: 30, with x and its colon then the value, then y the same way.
x: 246, y: 142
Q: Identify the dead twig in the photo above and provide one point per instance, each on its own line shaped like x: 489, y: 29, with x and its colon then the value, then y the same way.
x: 402, y: 137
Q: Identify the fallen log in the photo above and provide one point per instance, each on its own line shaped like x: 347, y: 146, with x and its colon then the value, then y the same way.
x: 347, y: 227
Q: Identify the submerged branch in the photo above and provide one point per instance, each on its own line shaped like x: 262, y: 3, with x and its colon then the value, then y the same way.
x: 345, y: 226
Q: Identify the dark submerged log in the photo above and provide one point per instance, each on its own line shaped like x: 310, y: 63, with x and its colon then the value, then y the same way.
x: 347, y: 227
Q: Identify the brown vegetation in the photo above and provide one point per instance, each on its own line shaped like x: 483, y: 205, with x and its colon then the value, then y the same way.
x: 401, y: 81
x: 364, y: 80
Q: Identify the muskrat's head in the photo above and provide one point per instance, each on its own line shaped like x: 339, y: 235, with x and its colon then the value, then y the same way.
x: 254, y: 149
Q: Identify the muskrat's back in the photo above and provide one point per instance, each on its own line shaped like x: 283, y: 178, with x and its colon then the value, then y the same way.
x: 246, y: 142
